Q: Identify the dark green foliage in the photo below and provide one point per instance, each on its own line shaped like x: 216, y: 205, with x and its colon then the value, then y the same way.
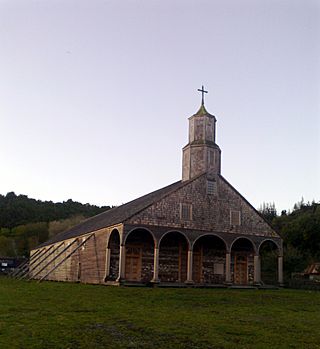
x: 26, y: 223
x: 19, y: 209
x: 269, y: 263
x: 268, y: 211
x: 300, y: 231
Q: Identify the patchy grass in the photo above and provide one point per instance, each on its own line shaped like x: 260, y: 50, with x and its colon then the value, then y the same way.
x: 62, y: 315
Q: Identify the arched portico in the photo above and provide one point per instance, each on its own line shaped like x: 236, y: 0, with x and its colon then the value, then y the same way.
x: 269, y: 254
x: 209, y: 260
x: 173, y: 257
x: 112, y: 256
x: 139, y: 255
x: 243, y: 261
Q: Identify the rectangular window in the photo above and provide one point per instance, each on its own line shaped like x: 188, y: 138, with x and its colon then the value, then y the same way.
x: 186, y: 212
x: 211, y: 187
x: 235, y: 217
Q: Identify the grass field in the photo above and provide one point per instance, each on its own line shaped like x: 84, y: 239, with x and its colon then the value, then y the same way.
x: 62, y: 315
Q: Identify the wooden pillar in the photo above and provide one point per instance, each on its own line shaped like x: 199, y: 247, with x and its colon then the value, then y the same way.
x: 107, y: 266
x: 257, y: 269
x: 228, y: 268
x: 280, y: 270
x: 189, y: 267
x: 122, y: 263
x: 155, y: 278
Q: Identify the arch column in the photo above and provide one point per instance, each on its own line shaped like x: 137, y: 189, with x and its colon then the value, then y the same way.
x: 280, y: 270
x: 257, y: 269
x: 122, y: 263
x: 228, y: 267
x: 155, y: 278
x: 189, y: 267
x: 107, y: 266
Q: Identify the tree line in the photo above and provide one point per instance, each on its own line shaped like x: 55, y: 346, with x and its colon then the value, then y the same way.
x: 300, y: 230
x: 26, y: 223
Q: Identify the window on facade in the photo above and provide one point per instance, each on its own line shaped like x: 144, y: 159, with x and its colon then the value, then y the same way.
x: 186, y: 212
x: 235, y: 217
x: 211, y: 187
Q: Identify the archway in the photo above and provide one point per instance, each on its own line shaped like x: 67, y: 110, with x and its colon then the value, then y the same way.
x: 209, y: 260
x: 114, y: 247
x: 173, y: 254
x: 269, y: 252
x: 139, y: 256
x: 242, y: 261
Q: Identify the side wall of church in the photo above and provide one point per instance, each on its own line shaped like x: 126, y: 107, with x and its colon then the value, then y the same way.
x: 86, y: 264
x: 209, y: 212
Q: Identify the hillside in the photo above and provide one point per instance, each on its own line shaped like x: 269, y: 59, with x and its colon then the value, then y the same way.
x: 26, y: 222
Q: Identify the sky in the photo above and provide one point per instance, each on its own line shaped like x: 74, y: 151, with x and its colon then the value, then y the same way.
x: 95, y: 96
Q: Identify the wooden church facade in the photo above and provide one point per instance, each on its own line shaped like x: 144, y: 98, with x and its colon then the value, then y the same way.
x: 197, y: 231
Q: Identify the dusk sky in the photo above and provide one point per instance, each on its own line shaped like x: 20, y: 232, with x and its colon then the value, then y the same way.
x: 95, y: 96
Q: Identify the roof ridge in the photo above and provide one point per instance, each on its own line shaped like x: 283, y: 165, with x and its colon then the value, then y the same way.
x: 115, y: 215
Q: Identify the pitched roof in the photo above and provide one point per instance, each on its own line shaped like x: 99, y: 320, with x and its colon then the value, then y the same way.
x: 115, y: 215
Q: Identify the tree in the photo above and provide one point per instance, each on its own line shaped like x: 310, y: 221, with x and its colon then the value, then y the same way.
x: 7, y: 247
x: 268, y: 211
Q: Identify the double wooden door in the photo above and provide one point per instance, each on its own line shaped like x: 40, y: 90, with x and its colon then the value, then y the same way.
x: 133, y: 263
x: 241, y: 269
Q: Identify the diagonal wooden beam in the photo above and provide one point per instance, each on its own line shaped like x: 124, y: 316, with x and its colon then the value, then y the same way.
x: 67, y: 257
x: 23, y: 265
x: 29, y: 261
x: 42, y: 260
x: 53, y: 259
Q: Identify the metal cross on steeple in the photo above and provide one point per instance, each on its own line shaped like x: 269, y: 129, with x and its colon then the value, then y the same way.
x: 202, y: 92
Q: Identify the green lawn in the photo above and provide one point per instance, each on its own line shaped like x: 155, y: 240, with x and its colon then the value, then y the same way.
x: 62, y: 315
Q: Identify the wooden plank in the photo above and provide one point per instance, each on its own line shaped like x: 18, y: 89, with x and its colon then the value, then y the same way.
x: 25, y: 269
x: 68, y: 256
x: 53, y: 259
x: 133, y: 263
x: 241, y: 269
x: 44, y: 252
x: 23, y: 265
x: 42, y: 260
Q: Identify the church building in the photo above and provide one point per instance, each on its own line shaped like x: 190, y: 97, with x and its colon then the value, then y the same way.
x: 198, y: 231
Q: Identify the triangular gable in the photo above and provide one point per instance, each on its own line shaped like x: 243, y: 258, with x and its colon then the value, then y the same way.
x: 208, y: 212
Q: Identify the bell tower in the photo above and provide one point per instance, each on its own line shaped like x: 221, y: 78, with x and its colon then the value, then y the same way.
x: 201, y: 154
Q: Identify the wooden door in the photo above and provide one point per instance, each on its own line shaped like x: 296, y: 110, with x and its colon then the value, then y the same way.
x: 133, y: 263
x: 241, y: 269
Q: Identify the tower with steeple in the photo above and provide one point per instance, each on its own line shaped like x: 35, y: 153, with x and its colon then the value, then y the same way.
x: 200, y: 230
x: 201, y: 154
